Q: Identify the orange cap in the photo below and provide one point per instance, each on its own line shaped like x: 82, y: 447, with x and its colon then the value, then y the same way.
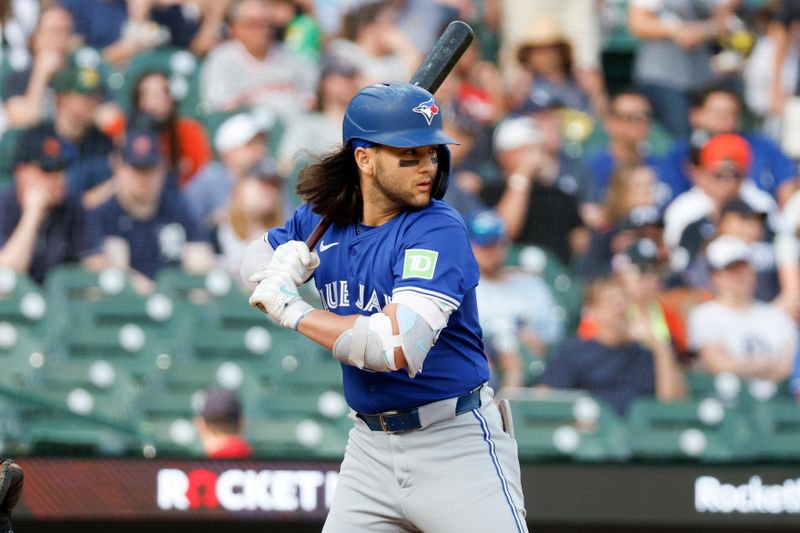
x: 726, y: 147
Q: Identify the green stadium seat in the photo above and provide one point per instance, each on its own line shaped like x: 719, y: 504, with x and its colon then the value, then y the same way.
x: 777, y: 423
x: 689, y: 429
x: 21, y: 354
x: 21, y: 302
x: 252, y: 344
x: 166, y: 421
x: 190, y: 376
x: 76, y: 437
x: 296, y: 438
x: 565, y: 424
x: 144, y: 352
x: 566, y: 288
x: 67, y: 284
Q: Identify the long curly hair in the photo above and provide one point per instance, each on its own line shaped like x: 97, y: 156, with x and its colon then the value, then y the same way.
x: 330, y: 184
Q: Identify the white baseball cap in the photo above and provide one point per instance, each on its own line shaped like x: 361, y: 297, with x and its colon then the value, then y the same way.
x: 515, y: 132
x: 726, y: 250
x: 237, y: 131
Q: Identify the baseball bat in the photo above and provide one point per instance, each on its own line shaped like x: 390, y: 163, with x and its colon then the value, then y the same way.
x: 440, y: 60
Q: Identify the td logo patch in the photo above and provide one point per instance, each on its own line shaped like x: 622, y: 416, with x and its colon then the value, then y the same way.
x: 419, y: 263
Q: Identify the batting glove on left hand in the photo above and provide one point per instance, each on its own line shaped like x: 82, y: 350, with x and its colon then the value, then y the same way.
x: 292, y: 257
x: 277, y: 296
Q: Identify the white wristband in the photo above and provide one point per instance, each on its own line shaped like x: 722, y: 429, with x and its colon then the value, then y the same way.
x: 518, y: 182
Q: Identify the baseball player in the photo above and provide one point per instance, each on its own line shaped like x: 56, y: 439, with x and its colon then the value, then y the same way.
x: 429, y: 450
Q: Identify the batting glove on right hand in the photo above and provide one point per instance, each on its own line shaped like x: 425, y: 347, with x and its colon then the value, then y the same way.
x: 277, y: 296
x: 292, y: 257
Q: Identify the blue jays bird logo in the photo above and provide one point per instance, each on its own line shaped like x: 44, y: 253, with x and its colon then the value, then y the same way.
x: 427, y: 109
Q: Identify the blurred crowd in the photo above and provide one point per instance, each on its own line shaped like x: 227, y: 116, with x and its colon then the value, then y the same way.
x: 646, y: 148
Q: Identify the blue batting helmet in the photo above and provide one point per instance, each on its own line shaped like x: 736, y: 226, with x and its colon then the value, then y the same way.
x: 401, y: 115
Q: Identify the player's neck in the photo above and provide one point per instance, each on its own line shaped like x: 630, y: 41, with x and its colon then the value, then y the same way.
x: 378, y: 215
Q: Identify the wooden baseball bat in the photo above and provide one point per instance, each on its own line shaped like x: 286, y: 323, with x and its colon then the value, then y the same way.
x: 441, y: 59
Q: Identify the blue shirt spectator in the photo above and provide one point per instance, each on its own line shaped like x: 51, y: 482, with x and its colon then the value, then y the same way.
x: 40, y: 226
x: 717, y: 110
x: 154, y: 243
x: 624, y: 361
x: 148, y: 217
x: 616, y: 374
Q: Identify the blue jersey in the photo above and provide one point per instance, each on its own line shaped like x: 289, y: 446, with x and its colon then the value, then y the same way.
x: 425, y: 251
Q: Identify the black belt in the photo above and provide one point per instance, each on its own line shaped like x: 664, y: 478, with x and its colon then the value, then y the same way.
x: 396, y: 421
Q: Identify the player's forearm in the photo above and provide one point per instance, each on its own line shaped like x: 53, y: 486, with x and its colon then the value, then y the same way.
x: 324, y: 328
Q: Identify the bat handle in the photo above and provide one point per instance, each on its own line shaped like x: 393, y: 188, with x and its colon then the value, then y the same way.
x: 317, y: 234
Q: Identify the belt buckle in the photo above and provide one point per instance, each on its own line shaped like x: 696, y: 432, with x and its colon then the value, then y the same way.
x: 382, y: 420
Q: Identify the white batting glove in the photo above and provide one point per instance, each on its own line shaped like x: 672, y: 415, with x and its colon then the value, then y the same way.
x: 292, y: 257
x: 277, y: 296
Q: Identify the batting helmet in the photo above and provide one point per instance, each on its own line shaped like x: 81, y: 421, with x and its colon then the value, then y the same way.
x: 401, y: 115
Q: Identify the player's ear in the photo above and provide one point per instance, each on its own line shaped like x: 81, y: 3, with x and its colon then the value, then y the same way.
x: 365, y: 159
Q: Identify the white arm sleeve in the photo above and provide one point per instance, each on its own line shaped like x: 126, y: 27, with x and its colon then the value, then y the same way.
x: 256, y: 258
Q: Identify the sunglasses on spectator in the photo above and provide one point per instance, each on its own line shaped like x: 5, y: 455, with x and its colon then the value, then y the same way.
x: 634, y: 117
x: 252, y: 23
x: 729, y: 173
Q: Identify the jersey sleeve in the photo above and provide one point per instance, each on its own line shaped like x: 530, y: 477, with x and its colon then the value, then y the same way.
x: 436, y: 260
x: 297, y: 228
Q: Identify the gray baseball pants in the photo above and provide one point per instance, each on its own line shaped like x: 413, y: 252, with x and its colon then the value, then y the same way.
x: 459, y: 475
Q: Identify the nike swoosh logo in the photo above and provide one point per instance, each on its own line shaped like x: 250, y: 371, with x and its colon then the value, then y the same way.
x: 288, y: 292
x: 323, y: 246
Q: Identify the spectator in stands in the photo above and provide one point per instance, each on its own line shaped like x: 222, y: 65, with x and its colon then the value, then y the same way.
x: 78, y: 95
x: 27, y: 95
x: 517, y: 310
x: 629, y: 213
x: 738, y: 219
x: 256, y: 205
x: 717, y: 110
x: 219, y: 425
x: 719, y: 177
x: 578, y: 21
x: 787, y: 252
x: 183, y: 139
x: 120, y: 29
x: 642, y: 270
x: 735, y: 332
x: 372, y: 39
x: 253, y: 70
x: 469, y: 168
x: 624, y: 361
x: 40, y: 226
x: 296, y: 28
x: 144, y: 227
x: 321, y: 130
x: 628, y: 127
x: 241, y: 142
x: 571, y: 176
x: 673, y: 58
x: 530, y: 202
x: 18, y: 20
x: 545, y: 60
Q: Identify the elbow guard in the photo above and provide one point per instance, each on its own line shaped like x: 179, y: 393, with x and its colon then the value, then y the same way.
x: 371, y: 342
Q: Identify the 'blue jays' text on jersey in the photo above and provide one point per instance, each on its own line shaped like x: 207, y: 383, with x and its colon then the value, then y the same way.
x: 426, y: 251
